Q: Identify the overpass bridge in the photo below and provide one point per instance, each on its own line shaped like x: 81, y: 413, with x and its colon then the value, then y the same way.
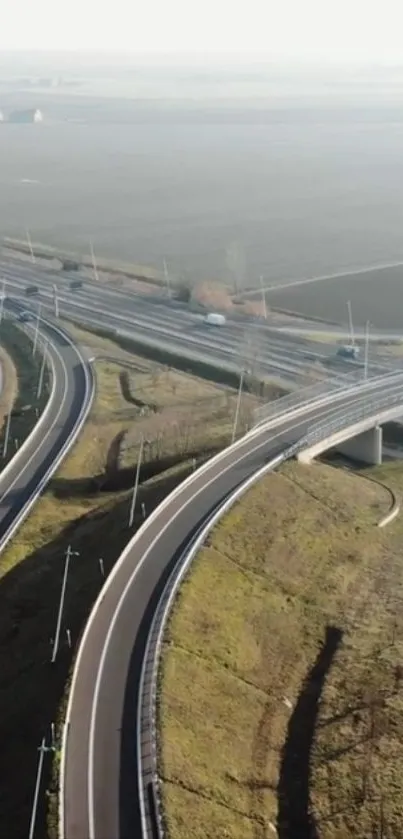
x: 356, y: 432
x: 356, y: 429
x: 109, y: 759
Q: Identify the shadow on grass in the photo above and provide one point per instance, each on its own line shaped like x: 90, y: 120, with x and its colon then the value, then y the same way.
x: 125, y: 386
x: 31, y: 687
x: 295, y: 820
x: 115, y: 480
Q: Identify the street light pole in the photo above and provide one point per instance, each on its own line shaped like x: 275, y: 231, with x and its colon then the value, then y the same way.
x: 238, y: 404
x: 94, y: 264
x: 7, y: 434
x: 367, y: 325
x: 36, y: 329
x: 350, y: 320
x: 42, y: 749
x: 136, y: 482
x: 42, y: 371
x: 69, y: 554
x: 167, y: 280
x: 55, y: 301
x: 3, y: 296
x: 31, y: 250
x: 263, y: 297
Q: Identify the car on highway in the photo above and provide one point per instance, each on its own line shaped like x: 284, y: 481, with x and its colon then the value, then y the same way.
x: 31, y: 290
x: 215, y: 319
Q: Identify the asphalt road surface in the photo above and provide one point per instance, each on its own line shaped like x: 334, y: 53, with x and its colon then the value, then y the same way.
x: 281, y: 354
x: 20, y: 480
x: 101, y: 783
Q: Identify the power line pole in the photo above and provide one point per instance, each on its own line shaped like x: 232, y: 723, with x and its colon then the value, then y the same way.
x: 36, y: 329
x: 136, y: 482
x: 238, y: 404
x: 42, y: 371
x: 7, y: 434
x: 69, y: 554
x: 263, y: 297
x: 366, y: 354
x: 31, y: 250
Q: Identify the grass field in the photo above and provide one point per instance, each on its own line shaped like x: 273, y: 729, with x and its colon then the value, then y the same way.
x: 375, y: 295
x: 281, y: 702
x: 87, y: 505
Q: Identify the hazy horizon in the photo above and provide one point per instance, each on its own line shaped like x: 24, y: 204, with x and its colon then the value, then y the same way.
x: 349, y: 32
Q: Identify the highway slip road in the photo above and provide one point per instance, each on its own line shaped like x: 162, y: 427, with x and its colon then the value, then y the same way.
x: 26, y: 473
x: 99, y: 771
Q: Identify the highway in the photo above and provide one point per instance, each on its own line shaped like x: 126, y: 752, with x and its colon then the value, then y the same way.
x: 274, y: 352
x: 28, y: 471
x: 99, y: 768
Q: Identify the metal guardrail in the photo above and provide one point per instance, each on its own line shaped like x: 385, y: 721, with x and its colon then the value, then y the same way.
x: 153, y: 821
x: 308, y: 394
x: 152, y: 818
x: 150, y: 787
x: 344, y: 419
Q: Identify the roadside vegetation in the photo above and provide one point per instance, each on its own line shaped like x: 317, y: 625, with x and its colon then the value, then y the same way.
x: 19, y: 392
x: 141, y: 279
x: 281, y: 691
x: 183, y: 419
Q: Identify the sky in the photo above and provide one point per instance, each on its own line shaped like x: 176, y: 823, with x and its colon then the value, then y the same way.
x: 339, y: 31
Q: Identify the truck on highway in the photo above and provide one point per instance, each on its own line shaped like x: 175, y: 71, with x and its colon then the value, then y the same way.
x: 349, y: 351
x: 214, y: 319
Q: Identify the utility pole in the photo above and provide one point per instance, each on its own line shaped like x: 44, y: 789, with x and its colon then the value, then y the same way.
x: 42, y: 371
x: 94, y: 264
x: 238, y: 404
x: 37, y: 329
x: 366, y: 353
x: 136, y: 482
x: 7, y: 434
x: 55, y: 301
x: 167, y: 280
x: 263, y: 297
x: 350, y: 320
x: 69, y: 554
x: 31, y: 250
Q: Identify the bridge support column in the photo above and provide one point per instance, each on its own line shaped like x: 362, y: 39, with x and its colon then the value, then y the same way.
x: 365, y: 447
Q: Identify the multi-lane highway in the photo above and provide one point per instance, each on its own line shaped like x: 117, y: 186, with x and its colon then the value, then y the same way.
x: 174, y: 327
x: 27, y: 473
x: 99, y: 767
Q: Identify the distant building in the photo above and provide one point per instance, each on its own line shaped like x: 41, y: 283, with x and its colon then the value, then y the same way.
x: 30, y: 116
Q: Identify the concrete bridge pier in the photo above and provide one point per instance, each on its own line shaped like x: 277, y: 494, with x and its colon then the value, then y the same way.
x: 365, y: 447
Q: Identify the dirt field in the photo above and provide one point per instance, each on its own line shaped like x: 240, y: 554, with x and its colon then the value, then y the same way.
x: 282, y: 689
